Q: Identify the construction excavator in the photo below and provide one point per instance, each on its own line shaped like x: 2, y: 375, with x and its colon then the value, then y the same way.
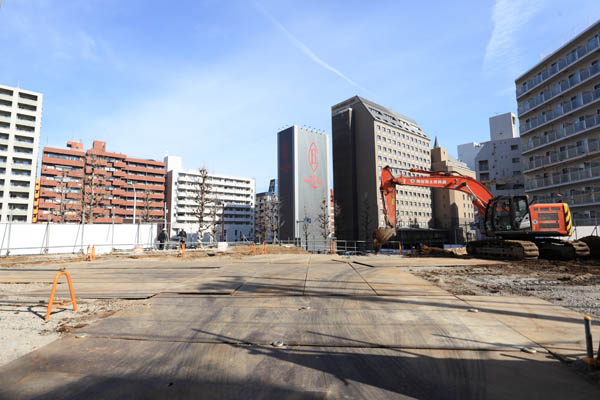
x: 516, y: 228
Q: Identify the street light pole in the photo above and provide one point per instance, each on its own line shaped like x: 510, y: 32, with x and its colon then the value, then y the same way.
x: 134, y: 199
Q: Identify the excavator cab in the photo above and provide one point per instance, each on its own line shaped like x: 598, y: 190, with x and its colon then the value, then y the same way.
x: 507, y: 216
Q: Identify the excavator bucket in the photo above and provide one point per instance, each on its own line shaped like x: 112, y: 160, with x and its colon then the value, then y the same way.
x: 381, y: 236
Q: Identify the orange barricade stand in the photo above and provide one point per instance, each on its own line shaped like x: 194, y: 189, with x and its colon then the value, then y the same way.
x: 332, y: 250
x: 181, y: 250
x: 51, y: 305
x: 254, y: 248
x: 90, y: 254
x: 264, y: 248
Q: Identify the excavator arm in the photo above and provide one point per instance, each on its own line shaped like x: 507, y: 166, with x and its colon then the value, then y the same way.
x: 441, y: 180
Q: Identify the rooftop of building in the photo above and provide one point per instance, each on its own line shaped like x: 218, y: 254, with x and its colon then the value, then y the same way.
x: 304, y: 128
x: 174, y: 163
x: 568, y: 44
x: 16, y: 88
x: 383, y: 114
x: 99, y: 148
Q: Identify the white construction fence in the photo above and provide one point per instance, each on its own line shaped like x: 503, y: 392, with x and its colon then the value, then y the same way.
x: 29, y: 239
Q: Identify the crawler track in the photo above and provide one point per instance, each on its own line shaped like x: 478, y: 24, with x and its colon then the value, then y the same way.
x: 497, y: 248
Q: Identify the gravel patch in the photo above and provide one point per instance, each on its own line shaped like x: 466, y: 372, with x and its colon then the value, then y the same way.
x: 574, y: 285
x: 22, y: 325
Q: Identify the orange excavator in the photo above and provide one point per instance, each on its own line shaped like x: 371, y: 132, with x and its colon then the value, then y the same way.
x: 516, y: 228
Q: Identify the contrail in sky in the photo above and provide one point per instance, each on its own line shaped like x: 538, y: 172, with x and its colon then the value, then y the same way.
x: 509, y: 18
x: 303, y: 48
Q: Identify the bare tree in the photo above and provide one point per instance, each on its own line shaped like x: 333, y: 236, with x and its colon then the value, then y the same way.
x: 62, y: 189
x: 262, y: 221
x: 90, y: 194
x: 273, y: 213
x: 306, y: 227
x: 337, y: 210
x: 202, y: 194
x: 214, y: 221
x: 267, y: 222
x: 323, y: 218
x: 146, y: 209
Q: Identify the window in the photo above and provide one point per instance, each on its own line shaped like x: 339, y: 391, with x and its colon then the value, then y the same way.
x: 27, y: 107
x: 26, y: 117
x: 516, y: 160
x: 514, y: 147
x: 483, y: 165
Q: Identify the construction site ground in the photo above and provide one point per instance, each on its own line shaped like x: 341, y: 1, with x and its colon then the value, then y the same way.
x: 299, y: 326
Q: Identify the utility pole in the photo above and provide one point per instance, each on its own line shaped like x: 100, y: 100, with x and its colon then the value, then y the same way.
x: 165, y: 225
x: 223, y: 222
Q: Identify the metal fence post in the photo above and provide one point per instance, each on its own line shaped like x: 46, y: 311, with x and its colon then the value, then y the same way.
x: 82, y: 229
x: 588, y: 336
x: 8, y: 239
x: 112, y: 236
x: 47, y: 238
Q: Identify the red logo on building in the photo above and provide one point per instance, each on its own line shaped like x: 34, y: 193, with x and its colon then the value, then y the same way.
x: 312, y: 157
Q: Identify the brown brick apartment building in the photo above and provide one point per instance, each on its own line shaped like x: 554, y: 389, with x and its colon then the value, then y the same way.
x: 97, y: 186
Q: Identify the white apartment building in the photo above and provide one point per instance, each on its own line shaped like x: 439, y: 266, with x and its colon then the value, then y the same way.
x: 467, y: 153
x: 232, y: 199
x: 497, y: 162
x: 559, y: 122
x: 20, y: 121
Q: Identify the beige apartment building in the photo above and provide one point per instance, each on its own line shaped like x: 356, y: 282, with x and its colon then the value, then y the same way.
x: 366, y: 137
x: 559, y: 118
x: 452, y: 210
x: 20, y: 122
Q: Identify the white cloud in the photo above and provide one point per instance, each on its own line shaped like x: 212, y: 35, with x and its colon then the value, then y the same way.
x: 44, y: 31
x: 509, y: 17
x: 304, y: 49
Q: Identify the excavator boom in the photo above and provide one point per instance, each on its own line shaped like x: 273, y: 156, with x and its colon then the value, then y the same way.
x: 441, y: 180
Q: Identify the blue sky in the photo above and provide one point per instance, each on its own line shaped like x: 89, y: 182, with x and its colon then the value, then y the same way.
x: 213, y: 81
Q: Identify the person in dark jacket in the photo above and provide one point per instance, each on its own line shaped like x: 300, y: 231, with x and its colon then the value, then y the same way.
x: 182, y: 236
x: 162, y: 238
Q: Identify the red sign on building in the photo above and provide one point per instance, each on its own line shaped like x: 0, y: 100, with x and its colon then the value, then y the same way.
x: 313, y: 180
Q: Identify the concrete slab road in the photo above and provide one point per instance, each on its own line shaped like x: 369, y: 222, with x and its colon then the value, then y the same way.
x: 302, y: 328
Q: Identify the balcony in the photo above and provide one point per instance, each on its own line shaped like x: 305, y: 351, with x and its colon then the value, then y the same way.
x: 61, y: 161
x: 74, y: 184
x: 572, y: 177
x: 579, y: 78
x: 48, y: 182
x: 561, y: 133
x: 22, y: 189
x: 48, y: 193
x: 568, y: 155
x: 26, y: 100
x: 545, y: 118
x: 18, y: 212
x: 560, y: 65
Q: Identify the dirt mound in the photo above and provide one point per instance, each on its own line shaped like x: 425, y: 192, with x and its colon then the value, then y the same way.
x: 593, y: 243
x: 269, y: 249
x: 432, y: 252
